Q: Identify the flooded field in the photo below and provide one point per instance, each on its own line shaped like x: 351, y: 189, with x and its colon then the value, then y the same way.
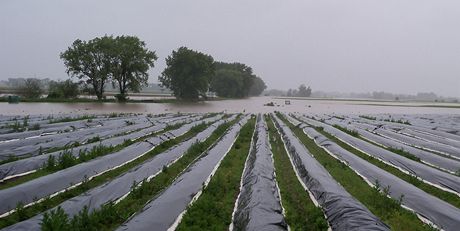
x: 251, y: 105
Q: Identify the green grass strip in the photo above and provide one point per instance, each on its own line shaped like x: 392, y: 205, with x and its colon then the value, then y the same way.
x: 213, y: 209
x: 441, y: 194
x: 387, y: 209
x: 48, y: 203
x: 400, y: 152
x: 67, y: 160
x: 301, y: 212
x: 110, y: 216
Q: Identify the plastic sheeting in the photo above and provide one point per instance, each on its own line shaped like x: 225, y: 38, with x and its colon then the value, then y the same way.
x: 438, y: 147
x: 23, y: 166
x: 417, y: 127
x: 33, y: 146
x: 343, y: 212
x: 259, y: 206
x: 165, y: 209
x: 427, y: 157
x: 47, y: 185
x: 432, y: 208
x: 120, y: 186
x: 434, y: 176
x: 47, y: 129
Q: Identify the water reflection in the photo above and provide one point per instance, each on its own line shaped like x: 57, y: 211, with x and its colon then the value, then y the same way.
x: 253, y: 105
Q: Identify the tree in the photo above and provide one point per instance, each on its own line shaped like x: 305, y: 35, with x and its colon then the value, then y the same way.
x: 187, y: 73
x: 304, y: 91
x: 236, y: 80
x: 31, y: 88
x: 130, y: 62
x: 227, y: 83
x: 65, y: 89
x: 257, y: 87
x: 90, y: 61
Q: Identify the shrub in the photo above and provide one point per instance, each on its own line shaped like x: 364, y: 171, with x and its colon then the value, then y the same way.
x: 66, y: 89
x: 55, y: 220
x: 31, y: 88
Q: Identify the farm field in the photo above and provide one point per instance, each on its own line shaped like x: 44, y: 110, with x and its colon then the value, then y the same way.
x: 230, y: 171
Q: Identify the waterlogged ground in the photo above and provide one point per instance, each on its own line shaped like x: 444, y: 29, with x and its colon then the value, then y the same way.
x: 251, y: 105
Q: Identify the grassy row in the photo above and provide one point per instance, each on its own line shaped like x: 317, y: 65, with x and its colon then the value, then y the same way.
x: 441, y: 194
x: 213, y: 210
x: 48, y: 203
x: 71, y: 119
x: 66, y: 159
x: 384, y: 207
x: 110, y: 215
x: 398, y: 151
x: 301, y: 212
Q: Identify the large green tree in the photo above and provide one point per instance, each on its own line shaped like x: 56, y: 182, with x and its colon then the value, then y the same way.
x: 130, y: 61
x: 123, y: 59
x: 236, y: 80
x: 188, y: 73
x: 257, y: 87
x: 90, y: 62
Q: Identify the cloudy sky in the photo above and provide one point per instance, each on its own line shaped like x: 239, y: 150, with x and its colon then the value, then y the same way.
x: 399, y: 46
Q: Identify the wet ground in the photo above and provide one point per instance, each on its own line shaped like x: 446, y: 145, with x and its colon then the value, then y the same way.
x: 253, y: 105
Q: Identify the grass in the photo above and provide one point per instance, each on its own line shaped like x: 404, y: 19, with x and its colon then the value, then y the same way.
x: 387, y: 209
x: 398, y: 151
x: 301, y: 212
x: 400, y: 121
x: 49, y: 203
x: 368, y: 117
x: 111, y: 215
x: 441, y: 194
x: 213, y: 209
x: 66, y: 159
x: 348, y: 131
x: 71, y: 119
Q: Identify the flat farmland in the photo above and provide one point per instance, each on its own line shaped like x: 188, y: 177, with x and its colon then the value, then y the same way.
x: 290, y: 170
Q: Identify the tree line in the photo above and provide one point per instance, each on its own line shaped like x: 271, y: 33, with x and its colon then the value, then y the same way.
x: 124, y: 62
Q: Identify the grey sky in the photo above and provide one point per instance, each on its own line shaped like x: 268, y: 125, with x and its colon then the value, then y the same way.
x: 399, y: 46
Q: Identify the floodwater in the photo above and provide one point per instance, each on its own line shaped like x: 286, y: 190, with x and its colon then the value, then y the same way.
x: 252, y: 105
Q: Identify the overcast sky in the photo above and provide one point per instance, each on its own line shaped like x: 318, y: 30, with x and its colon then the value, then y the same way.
x: 399, y: 46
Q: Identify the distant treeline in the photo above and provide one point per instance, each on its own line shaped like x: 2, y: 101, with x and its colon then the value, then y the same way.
x: 377, y: 95
x: 124, y: 62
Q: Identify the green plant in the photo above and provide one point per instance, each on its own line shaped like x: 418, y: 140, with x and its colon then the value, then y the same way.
x: 35, y: 127
x: 395, y: 216
x: 213, y: 209
x: 55, y: 220
x: 348, y: 131
x: 301, y: 212
x: 93, y: 139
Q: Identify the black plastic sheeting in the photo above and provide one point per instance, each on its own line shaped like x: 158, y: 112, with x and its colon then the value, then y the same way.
x: 120, y: 186
x: 35, y: 145
x: 444, y: 123
x: 416, y: 127
x: 161, y: 213
x: 438, y: 147
x: 47, y: 185
x: 409, y: 130
x: 434, y: 176
x: 47, y: 129
x: 33, y: 163
x: 427, y: 157
x: 259, y: 206
x: 437, y: 211
x: 343, y: 212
